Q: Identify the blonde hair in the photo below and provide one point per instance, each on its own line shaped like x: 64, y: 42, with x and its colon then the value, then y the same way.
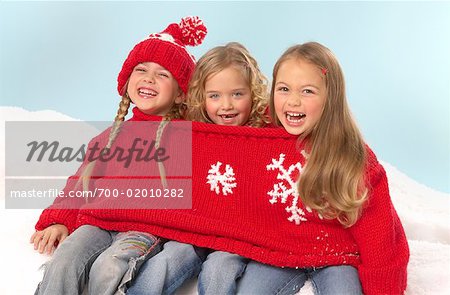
x: 216, y: 60
x: 176, y: 112
x: 332, y: 182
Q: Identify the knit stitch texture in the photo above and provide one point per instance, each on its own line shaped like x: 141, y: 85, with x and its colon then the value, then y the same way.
x: 259, y: 216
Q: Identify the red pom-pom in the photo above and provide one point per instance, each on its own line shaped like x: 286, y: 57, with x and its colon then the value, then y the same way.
x: 193, y: 30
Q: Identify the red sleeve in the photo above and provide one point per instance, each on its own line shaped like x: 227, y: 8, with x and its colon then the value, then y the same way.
x: 380, y: 237
x: 64, y: 210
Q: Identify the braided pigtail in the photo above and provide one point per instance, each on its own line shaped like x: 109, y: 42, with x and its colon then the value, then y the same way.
x: 159, y: 133
x: 115, y: 130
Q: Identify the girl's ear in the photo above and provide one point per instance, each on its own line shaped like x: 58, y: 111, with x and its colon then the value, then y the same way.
x: 180, y: 97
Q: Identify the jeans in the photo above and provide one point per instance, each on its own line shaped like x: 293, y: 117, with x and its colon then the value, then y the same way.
x: 265, y: 279
x: 220, y: 272
x: 165, y: 272
x: 116, y: 266
x: 107, y: 258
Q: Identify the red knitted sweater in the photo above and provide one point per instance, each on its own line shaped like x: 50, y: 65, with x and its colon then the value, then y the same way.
x: 244, y: 201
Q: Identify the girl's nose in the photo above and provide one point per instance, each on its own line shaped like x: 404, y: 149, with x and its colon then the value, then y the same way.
x: 294, y: 100
x: 227, y: 104
x: 149, y: 78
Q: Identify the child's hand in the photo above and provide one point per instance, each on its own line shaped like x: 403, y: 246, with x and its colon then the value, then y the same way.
x: 46, y: 239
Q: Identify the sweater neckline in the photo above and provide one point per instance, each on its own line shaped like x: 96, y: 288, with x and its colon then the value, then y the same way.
x: 138, y: 115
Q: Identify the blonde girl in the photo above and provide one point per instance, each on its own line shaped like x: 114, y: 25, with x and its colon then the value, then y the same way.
x: 227, y: 88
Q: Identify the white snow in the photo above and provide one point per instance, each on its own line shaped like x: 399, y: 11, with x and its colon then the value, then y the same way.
x: 425, y: 214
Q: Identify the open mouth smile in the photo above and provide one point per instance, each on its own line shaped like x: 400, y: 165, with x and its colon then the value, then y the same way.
x: 147, y: 92
x: 228, y: 116
x: 295, y: 117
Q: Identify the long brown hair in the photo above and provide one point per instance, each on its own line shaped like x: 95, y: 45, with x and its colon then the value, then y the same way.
x: 216, y: 60
x: 332, y: 182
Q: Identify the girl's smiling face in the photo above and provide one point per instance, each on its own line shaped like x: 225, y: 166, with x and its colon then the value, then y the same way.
x: 153, y: 89
x: 299, y: 95
x: 228, y: 97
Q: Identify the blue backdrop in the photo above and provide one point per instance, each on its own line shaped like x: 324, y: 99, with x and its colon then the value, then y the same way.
x: 65, y: 56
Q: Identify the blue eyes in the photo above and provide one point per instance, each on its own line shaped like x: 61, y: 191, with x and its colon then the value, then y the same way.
x: 217, y: 96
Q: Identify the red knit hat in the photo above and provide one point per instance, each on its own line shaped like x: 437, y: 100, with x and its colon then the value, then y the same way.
x: 167, y: 49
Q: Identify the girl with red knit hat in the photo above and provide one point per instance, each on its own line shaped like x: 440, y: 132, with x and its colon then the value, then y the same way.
x: 227, y: 88
x: 155, y: 78
x: 341, y: 181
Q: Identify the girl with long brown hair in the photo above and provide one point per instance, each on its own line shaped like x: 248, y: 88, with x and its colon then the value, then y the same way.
x: 341, y: 185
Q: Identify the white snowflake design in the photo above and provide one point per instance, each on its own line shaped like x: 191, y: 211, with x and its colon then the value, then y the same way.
x: 282, y: 192
x: 216, y: 179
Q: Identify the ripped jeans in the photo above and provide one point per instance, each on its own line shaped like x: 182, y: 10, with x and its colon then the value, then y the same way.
x: 108, y: 259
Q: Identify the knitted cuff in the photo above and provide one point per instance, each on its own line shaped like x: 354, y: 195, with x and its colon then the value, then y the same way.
x: 385, y: 280
x: 49, y: 217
